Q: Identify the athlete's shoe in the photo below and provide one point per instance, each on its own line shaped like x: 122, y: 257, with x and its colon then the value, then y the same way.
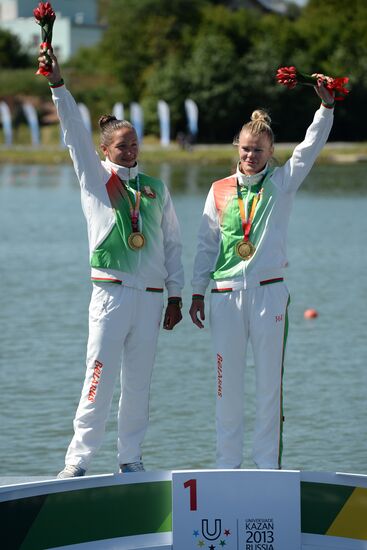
x: 71, y: 471
x: 131, y: 467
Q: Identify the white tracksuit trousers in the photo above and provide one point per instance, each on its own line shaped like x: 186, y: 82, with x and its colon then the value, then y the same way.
x: 123, y: 330
x: 259, y: 315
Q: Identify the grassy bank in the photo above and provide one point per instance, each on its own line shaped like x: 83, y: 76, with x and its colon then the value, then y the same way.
x: 151, y: 151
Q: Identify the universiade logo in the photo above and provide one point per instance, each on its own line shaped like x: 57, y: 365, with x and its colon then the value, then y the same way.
x: 98, y: 366
x: 211, y: 532
x: 248, y: 534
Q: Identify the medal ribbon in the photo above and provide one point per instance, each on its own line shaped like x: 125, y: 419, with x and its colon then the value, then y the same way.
x: 247, y: 223
x: 134, y: 209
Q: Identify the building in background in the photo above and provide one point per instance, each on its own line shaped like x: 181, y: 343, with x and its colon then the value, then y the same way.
x: 76, y: 25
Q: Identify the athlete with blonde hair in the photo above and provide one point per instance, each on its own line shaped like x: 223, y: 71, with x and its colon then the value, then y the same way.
x: 242, y: 252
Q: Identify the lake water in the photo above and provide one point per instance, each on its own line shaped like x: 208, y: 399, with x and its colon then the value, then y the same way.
x: 43, y: 328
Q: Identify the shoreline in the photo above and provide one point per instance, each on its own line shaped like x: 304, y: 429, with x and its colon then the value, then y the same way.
x: 332, y: 153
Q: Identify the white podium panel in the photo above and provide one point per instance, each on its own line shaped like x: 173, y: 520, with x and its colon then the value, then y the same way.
x: 236, y: 510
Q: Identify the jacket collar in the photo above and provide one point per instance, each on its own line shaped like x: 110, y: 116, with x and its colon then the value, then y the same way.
x: 123, y: 173
x: 249, y: 181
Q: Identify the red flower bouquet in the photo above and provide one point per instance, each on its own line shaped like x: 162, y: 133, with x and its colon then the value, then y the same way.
x: 290, y: 77
x: 45, y: 17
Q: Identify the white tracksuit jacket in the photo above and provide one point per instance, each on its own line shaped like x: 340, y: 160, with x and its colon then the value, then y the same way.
x: 156, y: 265
x: 245, y: 304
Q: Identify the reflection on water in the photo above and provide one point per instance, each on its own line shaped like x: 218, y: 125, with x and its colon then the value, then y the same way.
x: 36, y: 175
x: 43, y: 327
x: 338, y: 178
x: 190, y: 178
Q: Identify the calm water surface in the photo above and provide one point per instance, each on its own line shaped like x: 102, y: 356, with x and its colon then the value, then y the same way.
x: 43, y: 328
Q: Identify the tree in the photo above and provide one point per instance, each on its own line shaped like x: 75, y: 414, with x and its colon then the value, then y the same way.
x: 144, y: 32
x: 226, y: 61
x: 168, y: 81
x: 11, y: 53
x: 215, y: 85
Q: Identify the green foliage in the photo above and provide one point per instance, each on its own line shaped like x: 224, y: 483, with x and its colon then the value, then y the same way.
x: 226, y: 59
x: 240, y: 26
x: 145, y: 32
x: 88, y: 61
x: 24, y: 82
x: 11, y: 52
x: 335, y: 35
x: 215, y: 84
x: 223, y: 58
x: 169, y: 82
x: 99, y: 91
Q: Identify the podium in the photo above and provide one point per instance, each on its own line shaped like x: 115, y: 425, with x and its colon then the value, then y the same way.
x: 236, y: 509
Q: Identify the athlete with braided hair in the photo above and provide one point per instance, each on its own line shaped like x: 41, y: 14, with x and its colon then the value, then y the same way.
x: 135, y: 251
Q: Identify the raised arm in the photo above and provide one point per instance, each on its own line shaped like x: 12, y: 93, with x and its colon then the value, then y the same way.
x: 77, y: 137
x: 290, y: 176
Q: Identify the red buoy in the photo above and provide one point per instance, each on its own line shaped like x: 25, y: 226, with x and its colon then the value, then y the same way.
x: 310, y: 313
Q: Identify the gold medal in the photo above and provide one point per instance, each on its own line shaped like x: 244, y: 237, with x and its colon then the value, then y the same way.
x: 245, y: 249
x: 136, y: 240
